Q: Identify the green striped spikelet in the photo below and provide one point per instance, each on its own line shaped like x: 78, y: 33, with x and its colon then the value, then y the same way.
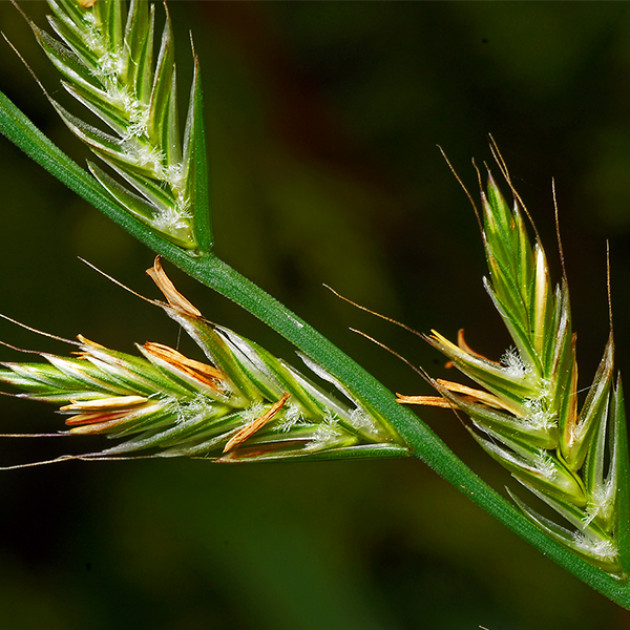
x: 244, y: 404
x: 105, y: 52
x: 526, y: 414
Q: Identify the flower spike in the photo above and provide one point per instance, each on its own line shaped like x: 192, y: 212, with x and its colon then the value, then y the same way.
x: 105, y: 54
x: 242, y: 404
x: 527, y: 414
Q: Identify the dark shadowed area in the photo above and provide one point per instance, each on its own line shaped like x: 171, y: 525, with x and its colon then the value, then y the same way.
x: 323, y: 125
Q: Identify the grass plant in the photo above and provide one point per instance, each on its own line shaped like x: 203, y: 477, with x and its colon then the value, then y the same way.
x: 243, y: 404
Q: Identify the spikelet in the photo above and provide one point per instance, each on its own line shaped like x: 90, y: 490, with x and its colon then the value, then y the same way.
x: 526, y: 414
x: 243, y: 404
x: 105, y: 52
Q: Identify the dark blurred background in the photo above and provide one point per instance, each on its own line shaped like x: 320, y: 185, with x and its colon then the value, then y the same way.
x: 323, y: 123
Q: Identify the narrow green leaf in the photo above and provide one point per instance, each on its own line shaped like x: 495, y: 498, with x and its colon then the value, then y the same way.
x: 593, y: 545
x: 601, y: 487
x: 68, y: 33
x: 533, y: 466
x: 505, y: 286
x: 117, y: 18
x: 70, y: 12
x: 136, y: 33
x: 156, y: 195
x: 263, y: 369
x: 216, y: 349
x: 503, y: 423
x: 135, y: 204
x: 145, y: 62
x: 172, y: 140
x: 108, y: 13
x: 162, y: 82
x: 622, y: 458
x: 520, y: 335
x: 134, y: 371
x: 94, y: 137
x: 576, y: 436
x: 195, y: 154
x: 99, y: 105
x: 66, y: 61
x: 359, y: 451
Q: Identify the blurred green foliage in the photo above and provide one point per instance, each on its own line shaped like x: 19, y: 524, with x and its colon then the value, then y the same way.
x: 323, y: 120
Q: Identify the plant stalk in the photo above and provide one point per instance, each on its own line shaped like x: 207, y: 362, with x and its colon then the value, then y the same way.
x: 217, y: 275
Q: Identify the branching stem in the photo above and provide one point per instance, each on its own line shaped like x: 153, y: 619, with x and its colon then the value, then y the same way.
x: 217, y: 275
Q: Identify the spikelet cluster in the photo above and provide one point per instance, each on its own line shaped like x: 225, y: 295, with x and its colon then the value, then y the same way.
x: 106, y: 54
x: 526, y: 414
x: 243, y: 404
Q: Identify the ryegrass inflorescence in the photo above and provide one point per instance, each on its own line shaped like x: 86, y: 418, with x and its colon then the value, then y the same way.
x: 527, y: 416
x: 242, y: 405
x: 105, y: 54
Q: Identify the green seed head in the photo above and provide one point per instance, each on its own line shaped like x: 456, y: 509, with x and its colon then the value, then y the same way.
x: 240, y: 404
x: 527, y: 415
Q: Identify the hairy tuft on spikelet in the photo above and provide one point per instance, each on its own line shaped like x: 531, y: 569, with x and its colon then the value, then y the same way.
x: 526, y: 415
x: 242, y: 405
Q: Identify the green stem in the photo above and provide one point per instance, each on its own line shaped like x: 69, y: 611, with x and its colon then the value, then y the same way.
x: 419, y: 438
x: 217, y: 275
